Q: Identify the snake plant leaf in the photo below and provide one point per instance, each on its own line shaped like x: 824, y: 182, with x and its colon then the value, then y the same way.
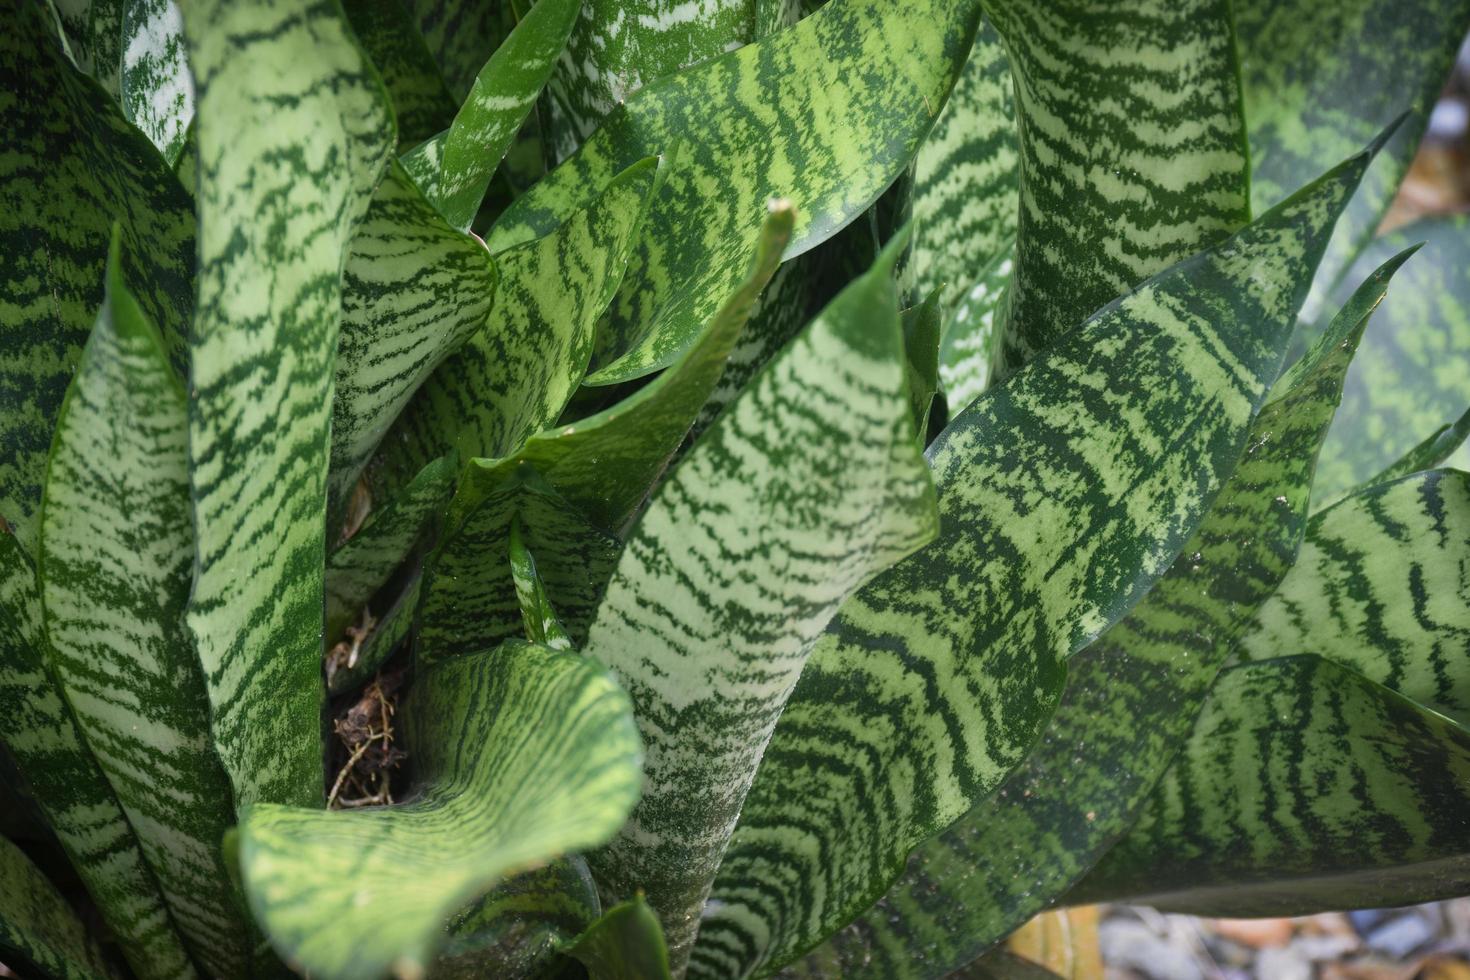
x: 524, y: 754
x: 966, y: 176
x: 1119, y: 180
x: 1439, y: 446
x: 756, y: 127
x: 293, y: 134
x: 1128, y: 705
x: 363, y: 564
x: 454, y: 168
x: 469, y: 594
x: 605, y: 464
x: 38, y: 930
x: 517, y: 929
x: 625, y: 943
x: 718, y: 597
x: 1303, y: 787
x: 921, y: 329
x: 514, y: 376
x: 1064, y: 493
x: 73, y: 167
x: 93, y: 30
x: 1319, y: 80
x: 116, y: 564
x: 421, y: 102
x: 537, y: 612
x: 414, y: 291
x: 965, y: 352
x: 1383, y: 587
x: 1003, y: 965
x: 39, y: 729
x: 1407, y: 382
x: 155, y: 88
x: 461, y: 36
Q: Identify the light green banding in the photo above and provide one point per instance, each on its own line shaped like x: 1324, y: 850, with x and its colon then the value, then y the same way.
x: 1383, y: 587
x: 537, y: 612
x: 826, y: 113
x: 970, y: 338
x: 38, y: 930
x: 293, y: 134
x: 1064, y: 493
x: 116, y: 564
x: 156, y: 90
x: 1132, y: 148
x: 625, y: 943
x: 1303, y: 787
x: 523, y: 754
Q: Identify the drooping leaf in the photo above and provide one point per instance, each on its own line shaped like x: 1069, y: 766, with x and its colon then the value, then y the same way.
x: 523, y: 753
x: 1064, y: 493
x: 537, y: 611
x: 1303, y: 787
x: 605, y: 464
x: 155, y: 88
x: 38, y: 931
x: 1132, y: 151
x: 469, y: 595
x: 116, y: 564
x: 807, y: 485
x: 625, y: 943
x: 421, y: 102
x: 363, y: 564
x: 454, y: 168
x: 791, y: 116
x: 1383, y: 587
x: 514, y: 377
x: 293, y: 134
x: 38, y: 728
x: 1319, y: 80
x: 1410, y: 379
x: 414, y: 291
x: 73, y: 167
x: 1129, y: 701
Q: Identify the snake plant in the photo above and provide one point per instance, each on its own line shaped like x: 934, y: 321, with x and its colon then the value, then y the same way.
x: 778, y: 487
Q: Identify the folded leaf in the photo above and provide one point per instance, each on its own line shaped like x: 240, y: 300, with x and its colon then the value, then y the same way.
x: 41, y: 733
x: 808, y: 484
x: 1129, y: 702
x: 606, y: 464
x: 386, y: 30
x: 116, y: 564
x: 38, y: 931
x: 73, y: 167
x: 791, y: 116
x: 1304, y: 787
x: 1383, y: 587
x: 1132, y: 150
x: 625, y: 943
x: 524, y: 754
x: 293, y: 134
x: 1064, y: 493
x: 155, y: 88
x: 455, y: 167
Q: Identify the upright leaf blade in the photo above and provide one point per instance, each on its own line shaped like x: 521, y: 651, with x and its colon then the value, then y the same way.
x: 293, y: 134
x: 38, y: 930
x: 625, y: 943
x: 422, y: 104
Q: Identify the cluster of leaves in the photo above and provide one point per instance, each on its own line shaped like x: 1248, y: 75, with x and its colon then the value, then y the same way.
x: 839, y: 478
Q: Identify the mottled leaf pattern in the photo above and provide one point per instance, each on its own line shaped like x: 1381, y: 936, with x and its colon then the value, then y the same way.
x: 461, y: 36
x: 625, y: 943
x: 386, y: 30
x: 1063, y: 494
x: 155, y: 88
x: 524, y: 753
x: 1132, y: 152
x: 969, y: 340
x: 38, y: 930
x: 537, y: 612
x: 293, y: 134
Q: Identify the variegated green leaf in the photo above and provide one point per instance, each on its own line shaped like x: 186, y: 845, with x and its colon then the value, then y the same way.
x: 94, y: 31
x: 39, y: 932
x: 293, y: 133
x: 921, y: 328
x: 969, y: 340
x: 1132, y: 150
x: 1064, y: 493
x: 1439, y: 446
x: 461, y: 36
x: 414, y: 291
x: 155, y: 89
x: 455, y: 167
x: 1303, y: 787
x: 523, y: 754
x: 1412, y: 376
x: 72, y: 167
x: 794, y: 115
x: 1383, y: 587
x: 606, y: 464
x: 514, y: 376
x: 1321, y: 79
x: 38, y: 728
x: 1129, y: 702
x: 469, y: 596
x: 806, y: 486
x: 386, y: 30
x: 363, y: 564
x: 537, y: 611
x: 116, y: 564
x: 625, y: 943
